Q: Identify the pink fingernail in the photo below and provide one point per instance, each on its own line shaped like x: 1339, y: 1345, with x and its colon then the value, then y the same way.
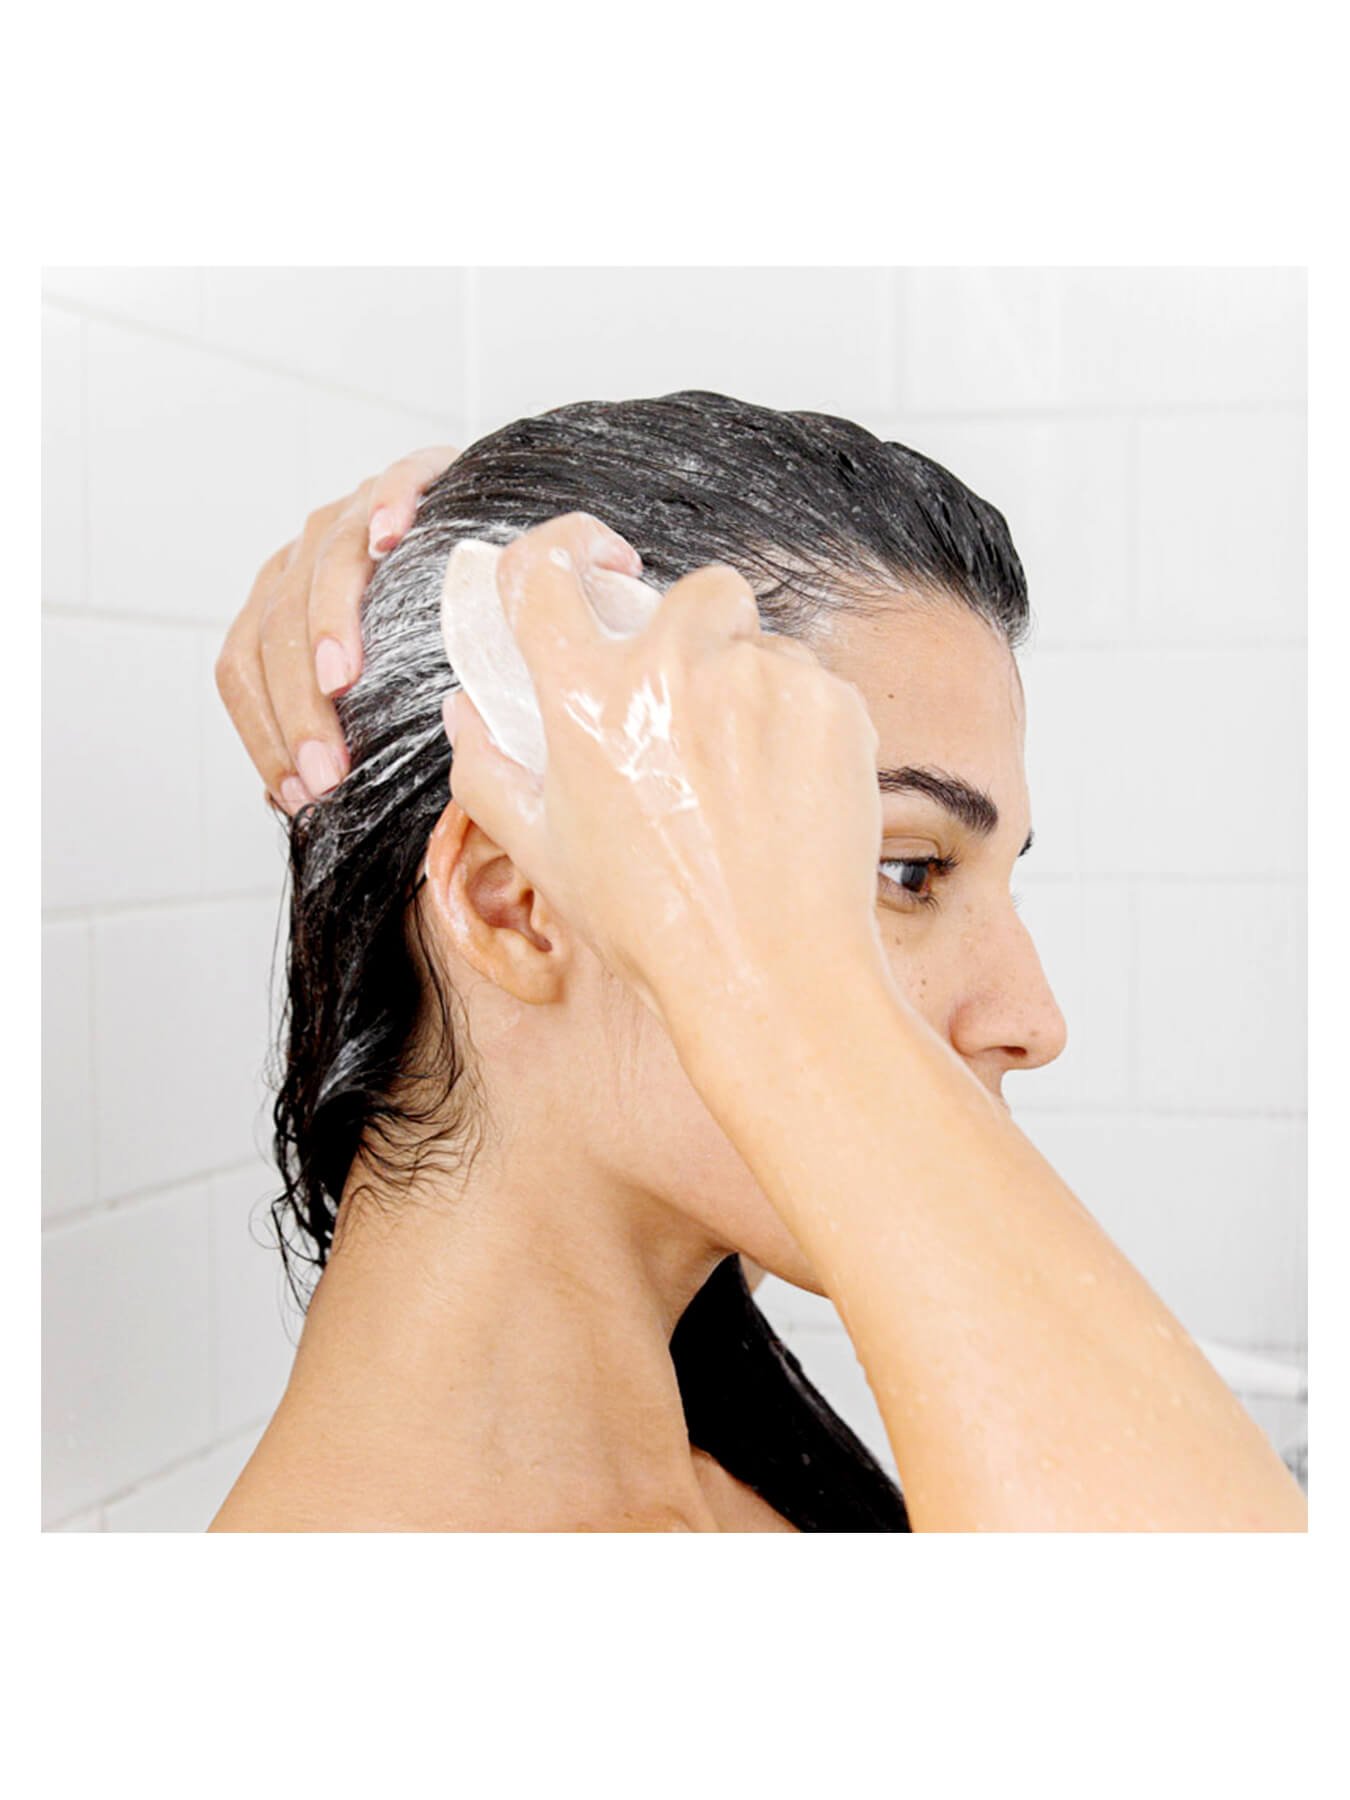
x: 331, y: 666
x: 319, y: 768
x: 383, y: 531
x: 294, y: 794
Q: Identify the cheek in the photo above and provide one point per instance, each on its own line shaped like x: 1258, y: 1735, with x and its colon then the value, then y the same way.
x: 924, y: 959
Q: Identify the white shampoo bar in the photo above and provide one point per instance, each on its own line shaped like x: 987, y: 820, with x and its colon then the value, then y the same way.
x: 486, y: 658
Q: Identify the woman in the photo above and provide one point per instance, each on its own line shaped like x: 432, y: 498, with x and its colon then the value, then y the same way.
x: 557, y: 1051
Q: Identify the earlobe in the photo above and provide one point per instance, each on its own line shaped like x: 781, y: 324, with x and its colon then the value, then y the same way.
x: 488, y: 913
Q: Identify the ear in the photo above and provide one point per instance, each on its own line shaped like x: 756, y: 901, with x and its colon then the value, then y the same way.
x: 486, y: 910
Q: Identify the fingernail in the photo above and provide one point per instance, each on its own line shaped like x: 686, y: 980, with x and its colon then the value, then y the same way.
x: 450, y: 713
x: 383, y: 531
x: 331, y: 666
x: 294, y: 794
x: 319, y: 768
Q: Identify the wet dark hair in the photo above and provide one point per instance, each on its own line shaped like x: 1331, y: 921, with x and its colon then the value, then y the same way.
x: 820, y: 516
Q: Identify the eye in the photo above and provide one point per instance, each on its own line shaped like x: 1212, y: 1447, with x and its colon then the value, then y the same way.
x: 915, y: 877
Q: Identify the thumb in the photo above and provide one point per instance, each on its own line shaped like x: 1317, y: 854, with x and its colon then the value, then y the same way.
x: 500, y: 795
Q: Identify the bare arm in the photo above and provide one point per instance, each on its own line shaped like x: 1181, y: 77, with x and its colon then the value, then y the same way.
x: 1028, y: 1376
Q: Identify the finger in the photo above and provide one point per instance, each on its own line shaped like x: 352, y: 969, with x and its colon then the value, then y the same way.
x: 394, y: 495
x: 501, y: 796
x: 708, y: 606
x: 789, y: 647
x: 540, y: 579
x: 307, y: 721
x: 242, y: 685
x: 338, y: 579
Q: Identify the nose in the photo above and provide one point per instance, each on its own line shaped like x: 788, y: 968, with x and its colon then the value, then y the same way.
x: 1007, y: 1016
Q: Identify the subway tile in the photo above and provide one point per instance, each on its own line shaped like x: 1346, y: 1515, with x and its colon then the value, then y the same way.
x: 1170, y: 762
x: 1184, y: 337
x: 797, y: 338
x: 243, y: 840
x: 344, y: 439
x: 181, y: 1038
x: 125, y: 1374
x: 991, y: 340
x: 1223, y: 528
x: 395, y: 334
x: 85, y: 1521
x: 187, y: 1498
x: 1211, y: 1211
x: 1222, y: 983
x: 63, y: 461
x: 193, y: 475
x: 121, y: 792
x: 163, y: 299
x: 256, y: 1321
x: 1081, y: 931
x: 1063, y: 486
x: 979, y: 340
x: 67, y: 1070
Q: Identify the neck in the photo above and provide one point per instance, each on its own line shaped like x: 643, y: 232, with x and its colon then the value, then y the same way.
x: 494, y: 1350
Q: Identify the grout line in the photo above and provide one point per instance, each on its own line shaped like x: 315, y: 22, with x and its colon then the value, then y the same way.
x: 212, y: 1320
x: 91, y: 1001
x: 122, y: 909
x: 118, y: 1203
x: 244, y: 359
x: 1198, y: 1115
x: 186, y: 1461
x: 1133, y: 598
x: 1034, y: 877
x: 86, y: 559
x: 1095, y: 412
x: 889, y: 336
x: 106, y: 615
x: 1132, y: 646
x: 1132, y: 1039
x: 472, y: 352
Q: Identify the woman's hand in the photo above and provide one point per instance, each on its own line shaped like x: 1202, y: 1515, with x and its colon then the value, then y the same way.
x: 710, y: 805
x: 297, y: 643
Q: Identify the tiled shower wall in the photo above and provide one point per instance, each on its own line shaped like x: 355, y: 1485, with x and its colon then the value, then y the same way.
x: 1144, y: 433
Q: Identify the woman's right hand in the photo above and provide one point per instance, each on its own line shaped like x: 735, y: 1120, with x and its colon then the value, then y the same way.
x: 709, y: 812
x: 297, y: 643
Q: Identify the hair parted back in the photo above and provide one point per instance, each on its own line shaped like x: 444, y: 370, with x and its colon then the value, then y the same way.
x: 819, y: 516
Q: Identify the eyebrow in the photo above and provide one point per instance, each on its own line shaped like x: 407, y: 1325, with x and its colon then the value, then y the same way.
x: 971, y: 805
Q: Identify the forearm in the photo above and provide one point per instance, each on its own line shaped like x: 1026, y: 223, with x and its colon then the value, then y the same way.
x: 1028, y: 1377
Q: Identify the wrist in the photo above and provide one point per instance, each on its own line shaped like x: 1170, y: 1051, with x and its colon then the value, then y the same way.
x: 769, y: 999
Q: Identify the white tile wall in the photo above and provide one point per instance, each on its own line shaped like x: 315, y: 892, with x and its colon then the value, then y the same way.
x: 181, y: 1032
x: 67, y: 1068
x: 1223, y: 524
x: 189, y: 1496
x: 126, y: 1347
x: 394, y: 334
x: 256, y: 1321
x: 183, y: 446
x: 121, y: 762
x: 1231, y: 1037
x: 1143, y: 432
x: 813, y: 338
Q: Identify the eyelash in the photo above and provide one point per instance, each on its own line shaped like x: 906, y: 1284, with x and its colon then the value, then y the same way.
x: 938, y: 867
